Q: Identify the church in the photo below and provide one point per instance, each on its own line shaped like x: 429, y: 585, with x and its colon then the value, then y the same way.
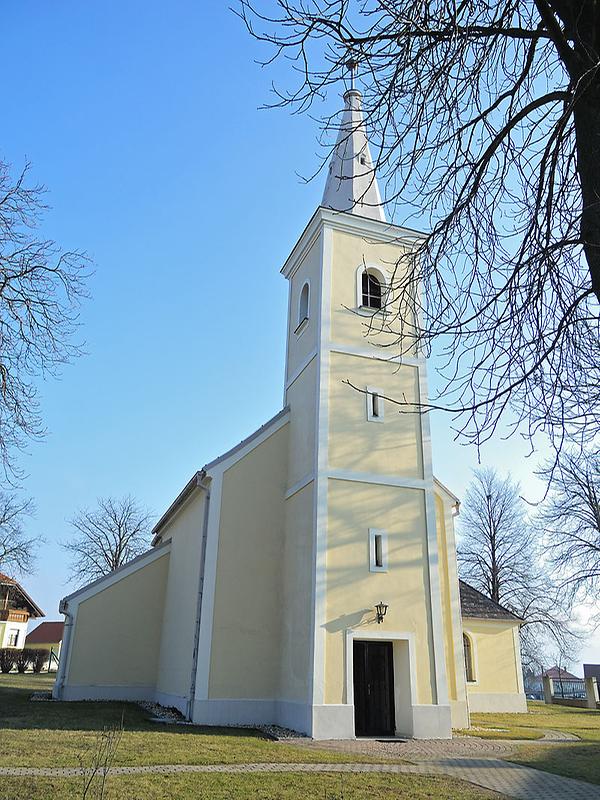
x: 308, y: 577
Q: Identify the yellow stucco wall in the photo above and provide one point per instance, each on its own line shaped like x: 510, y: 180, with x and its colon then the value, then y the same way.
x: 353, y: 591
x: 181, y: 597
x: 350, y: 252
x: 309, y: 270
x: 301, y: 397
x: 295, y: 598
x: 247, y: 612
x: 117, y: 632
x: 495, y: 658
x: 390, y: 448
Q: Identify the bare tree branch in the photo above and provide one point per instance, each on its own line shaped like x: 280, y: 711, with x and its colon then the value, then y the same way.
x: 499, y: 553
x: 107, y: 537
x: 41, y: 287
x: 486, y: 119
x: 17, y: 549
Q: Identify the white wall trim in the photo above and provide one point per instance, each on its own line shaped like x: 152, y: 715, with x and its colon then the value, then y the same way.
x: 321, y: 511
x: 435, y: 591
x: 373, y: 477
x: 376, y: 353
x: 455, y: 610
x: 208, y: 587
x: 299, y: 485
x: 518, y: 663
x: 299, y: 370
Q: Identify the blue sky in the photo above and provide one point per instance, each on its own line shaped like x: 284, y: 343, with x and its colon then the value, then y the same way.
x: 143, y: 120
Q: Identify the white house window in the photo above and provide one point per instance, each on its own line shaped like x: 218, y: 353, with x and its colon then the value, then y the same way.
x: 303, y: 308
x: 377, y: 550
x: 469, y: 659
x: 13, y: 637
x: 371, y: 291
x: 375, y: 406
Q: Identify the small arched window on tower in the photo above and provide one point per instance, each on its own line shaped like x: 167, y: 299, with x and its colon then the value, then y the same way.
x: 371, y: 290
x: 303, y: 308
x: 469, y: 659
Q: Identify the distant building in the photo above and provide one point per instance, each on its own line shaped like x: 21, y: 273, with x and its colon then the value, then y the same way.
x: 566, y: 684
x: 16, y: 609
x: 47, y: 636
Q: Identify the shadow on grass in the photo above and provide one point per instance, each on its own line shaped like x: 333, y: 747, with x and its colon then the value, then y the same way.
x: 19, y: 712
x: 572, y: 760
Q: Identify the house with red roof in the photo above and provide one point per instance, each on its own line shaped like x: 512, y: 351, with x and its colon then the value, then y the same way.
x: 47, y: 636
x: 16, y: 609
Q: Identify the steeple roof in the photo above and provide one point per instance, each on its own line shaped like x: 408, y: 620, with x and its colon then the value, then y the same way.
x: 351, y: 184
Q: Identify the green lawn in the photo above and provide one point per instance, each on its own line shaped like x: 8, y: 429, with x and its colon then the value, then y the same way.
x: 61, y: 734
x: 582, y: 722
x: 577, y: 760
x: 286, y: 786
x: 64, y: 734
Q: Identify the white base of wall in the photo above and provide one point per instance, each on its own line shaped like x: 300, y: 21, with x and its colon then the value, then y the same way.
x: 488, y: 702
x: 131, y: 693
x: 460, y: 714
x: 333, y: 722
x: 286, y: 713
x: 432, y: 722
x: 172, y: 701
x: 320, y: 722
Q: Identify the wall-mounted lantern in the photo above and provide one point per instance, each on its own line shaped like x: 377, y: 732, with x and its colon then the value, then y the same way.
x: 381, y: 609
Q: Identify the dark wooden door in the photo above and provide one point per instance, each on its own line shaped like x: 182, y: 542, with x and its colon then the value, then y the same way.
x: 374, y: 689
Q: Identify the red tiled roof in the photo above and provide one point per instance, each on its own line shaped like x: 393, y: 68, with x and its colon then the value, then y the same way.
x: 46, y: 633
x: 556, y: 673
x: 5, y: 579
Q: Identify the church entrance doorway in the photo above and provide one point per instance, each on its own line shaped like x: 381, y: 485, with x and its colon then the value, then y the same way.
x: 374, y: 688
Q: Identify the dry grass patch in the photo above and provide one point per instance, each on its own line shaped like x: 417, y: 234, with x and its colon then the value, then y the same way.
x: 253, y: 786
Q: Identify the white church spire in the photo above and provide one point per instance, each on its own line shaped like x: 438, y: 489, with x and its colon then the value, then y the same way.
x: 351, y: 183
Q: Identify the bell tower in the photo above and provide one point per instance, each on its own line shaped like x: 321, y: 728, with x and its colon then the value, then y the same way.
x: 360, y: 509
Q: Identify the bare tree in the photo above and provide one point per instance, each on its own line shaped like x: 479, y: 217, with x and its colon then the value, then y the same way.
x: 17, y: 548
x: 499, y: 554
x: 40, y: 290
x: 107, y: 537
x: 487, y: 121
x: 570, y: 518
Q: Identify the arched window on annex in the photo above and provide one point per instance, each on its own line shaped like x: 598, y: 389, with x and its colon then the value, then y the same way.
x: 469, y: 658
x: 303, y: 308
x: 371, y: 288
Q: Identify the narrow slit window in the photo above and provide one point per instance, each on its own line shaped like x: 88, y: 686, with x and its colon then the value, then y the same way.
x: 374, y: 404
x: 377, y: 550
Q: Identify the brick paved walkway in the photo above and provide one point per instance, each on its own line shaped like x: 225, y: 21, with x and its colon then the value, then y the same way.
x: 490, y: 773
